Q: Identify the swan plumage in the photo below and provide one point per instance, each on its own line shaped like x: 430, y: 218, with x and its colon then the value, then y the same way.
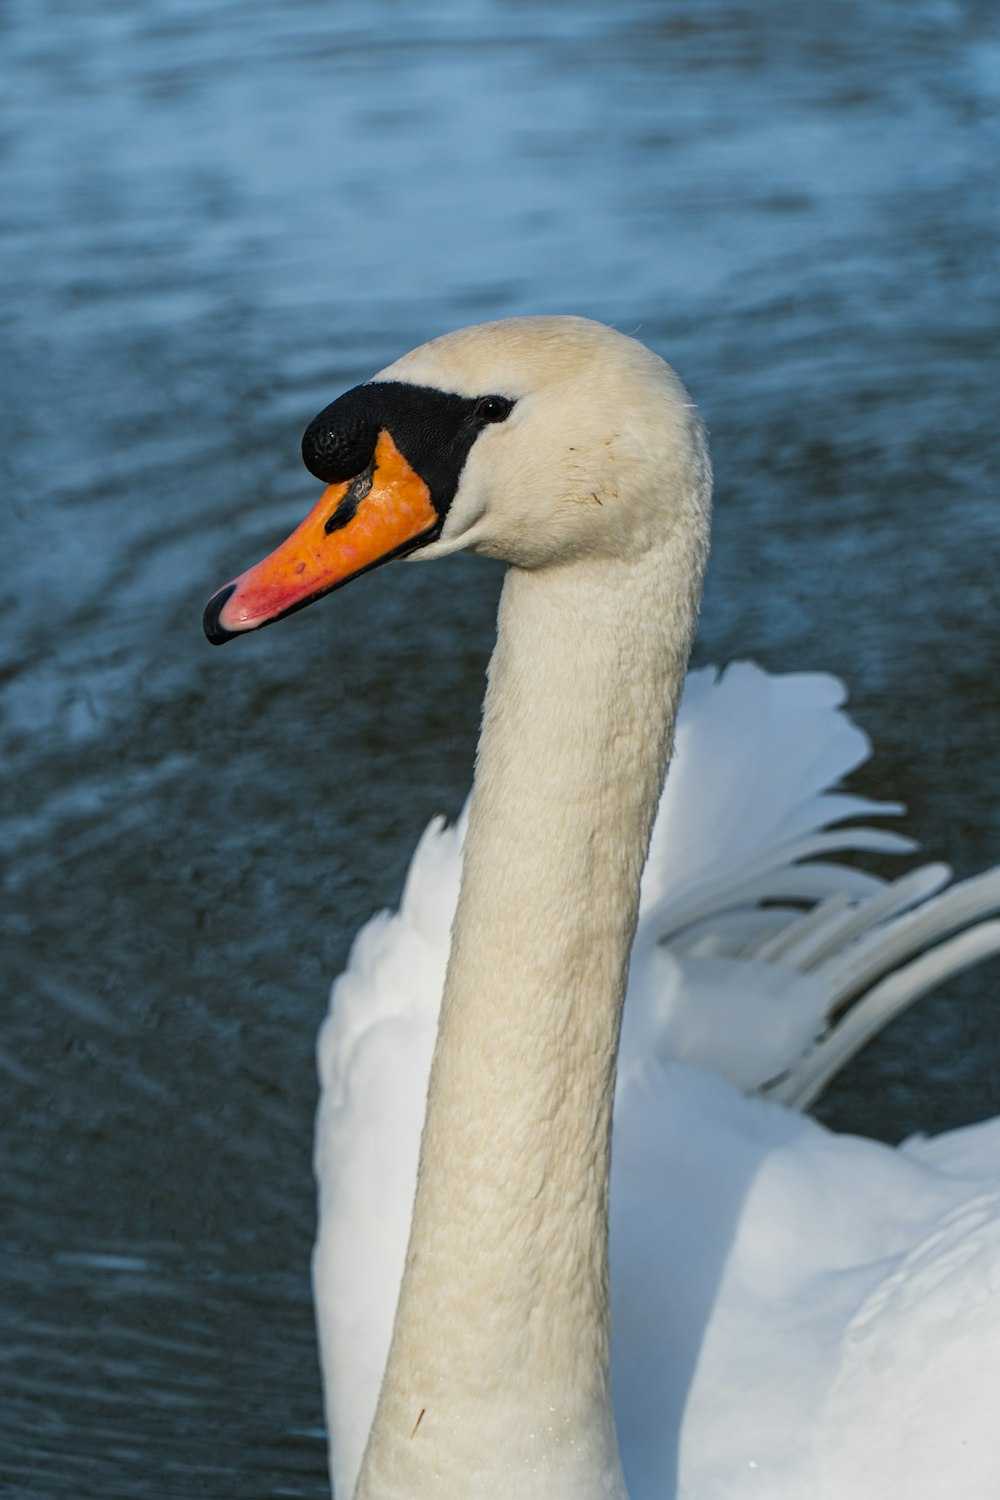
x: 830, y: 1285
x: 784, y: 1299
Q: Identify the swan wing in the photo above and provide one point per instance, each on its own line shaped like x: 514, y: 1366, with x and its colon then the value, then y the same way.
x: 801, y: 1313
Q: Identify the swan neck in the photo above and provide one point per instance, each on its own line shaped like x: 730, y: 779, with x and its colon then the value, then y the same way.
x: 498, y: 1376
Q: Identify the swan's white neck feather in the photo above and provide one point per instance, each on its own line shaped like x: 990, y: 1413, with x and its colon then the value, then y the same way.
x: 497, y: 1381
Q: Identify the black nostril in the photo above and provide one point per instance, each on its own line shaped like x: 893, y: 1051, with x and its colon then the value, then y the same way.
x: 340, y: 442
x: 348, y: 507
x: 218, y: 634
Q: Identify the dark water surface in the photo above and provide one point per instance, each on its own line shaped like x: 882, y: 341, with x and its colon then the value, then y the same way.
x: 216, y: 216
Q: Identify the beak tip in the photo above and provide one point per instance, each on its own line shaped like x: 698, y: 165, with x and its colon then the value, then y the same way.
x: 214, y: 629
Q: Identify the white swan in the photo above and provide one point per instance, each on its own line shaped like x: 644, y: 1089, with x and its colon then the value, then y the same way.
x: 811, y: 1312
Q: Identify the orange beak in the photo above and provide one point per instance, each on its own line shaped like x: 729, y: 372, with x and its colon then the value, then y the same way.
x: 355, y: 526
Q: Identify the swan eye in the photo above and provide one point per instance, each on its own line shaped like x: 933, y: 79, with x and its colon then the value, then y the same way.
x: 494, y: 408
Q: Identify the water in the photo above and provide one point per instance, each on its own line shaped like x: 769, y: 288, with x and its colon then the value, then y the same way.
x: 219, y: 215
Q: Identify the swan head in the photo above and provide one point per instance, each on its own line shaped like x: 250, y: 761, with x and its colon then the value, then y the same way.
x: 538, y: 441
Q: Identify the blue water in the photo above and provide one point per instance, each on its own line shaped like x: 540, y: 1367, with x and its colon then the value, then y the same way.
x: 217, y: 215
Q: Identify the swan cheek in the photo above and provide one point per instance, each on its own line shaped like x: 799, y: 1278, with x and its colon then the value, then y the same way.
x: 356, y: 525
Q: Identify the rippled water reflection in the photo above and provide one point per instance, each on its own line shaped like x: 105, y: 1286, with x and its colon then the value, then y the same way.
x: 217, y: 215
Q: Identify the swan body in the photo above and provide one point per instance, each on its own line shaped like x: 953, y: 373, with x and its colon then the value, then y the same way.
x: 829, y: 1299
x: 574, y: 454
